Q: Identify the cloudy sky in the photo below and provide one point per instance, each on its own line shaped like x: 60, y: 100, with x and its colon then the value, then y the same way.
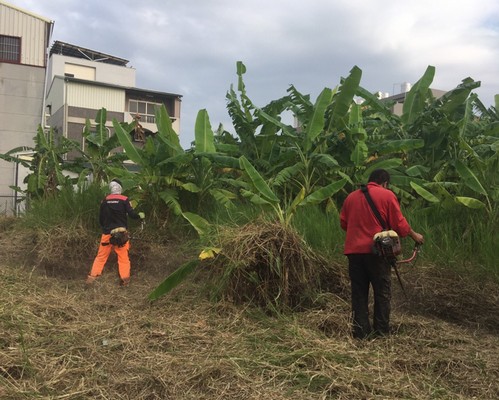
x: 190, y: 47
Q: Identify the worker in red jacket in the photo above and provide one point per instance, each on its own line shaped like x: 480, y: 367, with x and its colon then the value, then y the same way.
x: 366, y: 268
x: 113, y: 219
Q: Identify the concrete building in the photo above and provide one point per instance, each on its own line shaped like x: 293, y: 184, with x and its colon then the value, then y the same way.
x: 399, y: 98
x: 60, y: 87
x: 24, y: 43
x: 82, y: 81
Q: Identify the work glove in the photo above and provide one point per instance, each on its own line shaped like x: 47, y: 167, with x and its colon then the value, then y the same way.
x: 142, y: 215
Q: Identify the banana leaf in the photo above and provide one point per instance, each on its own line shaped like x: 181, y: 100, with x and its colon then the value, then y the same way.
x: 359, y: 153
x: 173, y: 280
x: 324, y: 193
x: 342, y: 100
x: 415, y: 99
x: 201, y: 225
x: 258, y: 182
x: 165, y: 131
x: 204, y: 139
x: 316, y: 122
x: 425, y: 194
x: 133, y: 153
x: 470, y: 202
x: 469, y: 178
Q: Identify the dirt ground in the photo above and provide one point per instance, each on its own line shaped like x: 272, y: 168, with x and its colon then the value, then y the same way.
x: 60, y: 339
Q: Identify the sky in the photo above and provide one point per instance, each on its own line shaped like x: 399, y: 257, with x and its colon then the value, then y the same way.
x: 190, y: 47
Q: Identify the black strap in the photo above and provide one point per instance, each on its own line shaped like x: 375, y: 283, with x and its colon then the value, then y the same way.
x: 373, y: 207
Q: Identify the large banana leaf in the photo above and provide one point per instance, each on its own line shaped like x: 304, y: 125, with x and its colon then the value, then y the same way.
x: 258, y: 182
x: 342, y: 100
x: 204, y: 139
x: 173, y: 280
x: 324, y: 193
x: 165, y: 131
x: 415, y: 99
x: 425, y: 194
x: 198, y: 223
x: 469, y: 178
x: 456, y: 97
x: 316, y: 122
x: 359, y: 153
x: 470, y: 202
x: 287, y: 173
x: 170, y: 197
x: 255, y: 198
x: 133, y: 153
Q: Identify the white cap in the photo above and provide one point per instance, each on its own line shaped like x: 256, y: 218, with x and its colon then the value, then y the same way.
x: 115, y: 187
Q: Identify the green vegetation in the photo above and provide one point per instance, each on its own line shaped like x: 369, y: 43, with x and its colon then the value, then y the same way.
x: 251, y: 217
x: 442, y: 155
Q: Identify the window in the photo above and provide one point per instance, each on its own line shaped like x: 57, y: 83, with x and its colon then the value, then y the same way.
x: 10, y: 49
x: 144, y: 109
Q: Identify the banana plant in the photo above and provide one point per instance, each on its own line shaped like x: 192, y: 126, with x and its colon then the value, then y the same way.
x: 99, y: 147
x: 162, y: 169
x: 260, y: 193
x: 46, y: 163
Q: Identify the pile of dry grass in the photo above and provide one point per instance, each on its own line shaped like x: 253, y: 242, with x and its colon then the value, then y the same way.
x: 270, y: 265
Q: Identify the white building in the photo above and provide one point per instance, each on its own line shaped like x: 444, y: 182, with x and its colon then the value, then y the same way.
x: 60, y: 87
x: 24, y: 43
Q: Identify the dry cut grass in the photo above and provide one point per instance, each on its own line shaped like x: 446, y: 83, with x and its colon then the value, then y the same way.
x: 62, y: 340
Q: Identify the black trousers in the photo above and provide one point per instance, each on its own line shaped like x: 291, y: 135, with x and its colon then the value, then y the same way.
x: 366, y: 270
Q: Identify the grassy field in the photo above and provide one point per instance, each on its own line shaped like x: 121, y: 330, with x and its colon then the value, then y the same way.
x: 62, y: 340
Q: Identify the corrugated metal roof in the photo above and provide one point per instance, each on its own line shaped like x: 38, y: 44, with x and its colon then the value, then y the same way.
x: 71, y: 50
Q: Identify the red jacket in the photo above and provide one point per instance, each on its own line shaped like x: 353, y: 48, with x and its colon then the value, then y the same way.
x: 360, y: 223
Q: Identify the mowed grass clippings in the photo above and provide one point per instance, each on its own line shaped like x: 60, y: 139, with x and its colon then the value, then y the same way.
x: 61, y: 340
x: 269, y: 264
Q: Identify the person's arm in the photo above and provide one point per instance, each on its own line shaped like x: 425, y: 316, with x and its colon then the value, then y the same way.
x: 131, y: 211
x: 417, y: 237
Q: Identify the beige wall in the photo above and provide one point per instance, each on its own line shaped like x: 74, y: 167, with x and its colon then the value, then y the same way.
x: 21, y: 92
x: 106, y: 73
x: 32, y: 29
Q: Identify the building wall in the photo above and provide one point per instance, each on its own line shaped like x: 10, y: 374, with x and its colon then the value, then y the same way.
x: 95, y: 97
x: 21, y: 92
x: 21, y: 99
x: 107, y: 73
x: 32, y: 29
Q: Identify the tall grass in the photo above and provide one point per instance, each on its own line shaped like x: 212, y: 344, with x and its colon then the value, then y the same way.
x: 321, y: 230
x: 70, y: 208
x: 459, y: 238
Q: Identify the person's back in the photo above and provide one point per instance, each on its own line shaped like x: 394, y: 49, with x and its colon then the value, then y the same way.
x: 365, y: 268
x: 114, y: 211
x: 360, y: 223
x: 113, y: 219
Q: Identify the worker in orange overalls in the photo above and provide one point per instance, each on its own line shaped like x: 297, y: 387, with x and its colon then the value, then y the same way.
x: 113, y: 219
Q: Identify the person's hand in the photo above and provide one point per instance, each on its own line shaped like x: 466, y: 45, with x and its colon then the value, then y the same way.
x: 142, y: 215
x: 418, y: 238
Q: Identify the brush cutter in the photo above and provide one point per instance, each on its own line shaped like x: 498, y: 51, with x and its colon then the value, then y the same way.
x: 394, y: 262
x: 138, y: 231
